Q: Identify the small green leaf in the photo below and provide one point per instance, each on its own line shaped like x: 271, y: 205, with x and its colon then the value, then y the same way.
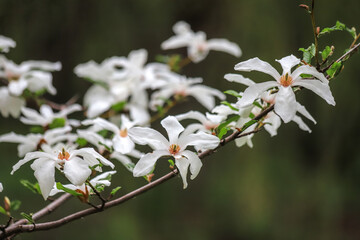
x: 248, y: 124
x: 57, y: 123
x: 118, y: 107
x: 37, y: 129
x: 103, y: 133
x: 223, y: 131
x: 82, y: 142
x: 3, y: 211
x: 15, y: 205
x: 34, y: 187
x: 352, y: 32
x: 72, y: 192
x: 28, y: 217
x: 229, y: 105
x: 233, y: 93
x: 334, y: 69
x: 114, y: 191
x: 327, y: 52
x: 171, y: 162
x: 338, y: 27
x: 225, y: 124
x: 308, y: 53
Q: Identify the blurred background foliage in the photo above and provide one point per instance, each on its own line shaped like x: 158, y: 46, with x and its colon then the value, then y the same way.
x: 292, y: 186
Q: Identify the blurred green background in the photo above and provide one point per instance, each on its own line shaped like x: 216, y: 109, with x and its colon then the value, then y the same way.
x: 292, y: 186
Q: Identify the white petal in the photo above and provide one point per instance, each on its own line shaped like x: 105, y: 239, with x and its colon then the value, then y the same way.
x: 125, y: 160
x: 255, y: 64
x: 238, y: 79
x: 195, y: 163
x: 274, y: 123
x: 183, y: 164
x: 173, y: 128
x: 308, y: 70
x: 301, y: 124
x: 201, y: 140
x: 123, y: 144
x: 320, y: 88
x: 92, y: 157
x: 1, y: 187
x: 77, y: 170
x: 254, y: 91
x: 224, y: 45
x: 192, y: 115
x: 176, y: 42
x: 148, y: 136
x: 31, y: 156
x: 205, y: 95
x: 102, y: 123
x: 138, y: 57
x: 17, y: 87
x: 287, y: 63
x: 146, y: 163
x: 301, y: 109
x: 285, y: 104
x: 45, y: 174
x: 181, y: 27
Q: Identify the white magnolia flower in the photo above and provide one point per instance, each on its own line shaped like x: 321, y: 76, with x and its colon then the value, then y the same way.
x: 1, y: 187
x: 47, y: 116
x: 92, y: 136
x: 6, y: 43
x: 10, y: 104
x: 207, y: 122
x: 121, y: 140
x: 32, y: 142
x: 101, y: 179
x: 198, y: 46
x: 182, y: 86
x: 175, y: 147
x: 74, y: 163
x: 125, y: 160
x: 285, y: 102
x: 32, y: 75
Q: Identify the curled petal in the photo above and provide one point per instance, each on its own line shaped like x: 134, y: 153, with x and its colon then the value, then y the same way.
x: 183, y: 165
x: 254, y: 91
x: 172, y: 127
x: 224, y: 45
x: 255, y: 64
x: 238, y: 79
x: 195, y: 163
x: 320, y: 88
x: 147, y: 162
x: 287, y: 63
x: 285, y: 104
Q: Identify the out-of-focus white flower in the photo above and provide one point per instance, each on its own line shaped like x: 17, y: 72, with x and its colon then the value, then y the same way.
x: 182, y: 86
x: 198, y: 46
x: 101, y: 179
x: 32, y: 142
x: 74, y: 163
x: 285, y: 102
x: 1, y: 187
x: 125, y: 160
x: 175, y: 147
x: 47, y: 116
x: 10, y: 104
x: 207, y: 123
x: 32, y: 75
x: 6, y: 43
x: 121, y: 140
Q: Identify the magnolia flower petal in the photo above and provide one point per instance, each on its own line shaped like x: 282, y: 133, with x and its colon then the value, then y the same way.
x: 301, y: 109
x: 182, y: 165
x: 16, y: 88
x: 195, y: 163
x: 45, y: 174
x: 287, y: 63
x: 255, y: 64
x: 201, y: 140
x: 125, y: 160
x: 102, y: 123
x: 1, y: 187
x: 224, y: 45
x: 146, y: 163
x: 92, y: 157
x: 206, y: 95
x: 148, y: 136
x: 231, y: 77
x: 31, y: 156
x: 320, y: 88
x: 273, y: 122
x: 77, y: 170
x: 176, y: 42
x: 285, y: 104
x: 254, y: 91
x: 172, y: 127
x: 301, y: 124
x: 308, y: 70
x: 123, y: 144
x: 181, y: 27
x: 192, y: 115
x: 138, y: 57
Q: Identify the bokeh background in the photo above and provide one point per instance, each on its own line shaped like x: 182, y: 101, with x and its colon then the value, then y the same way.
x: 293, y: 186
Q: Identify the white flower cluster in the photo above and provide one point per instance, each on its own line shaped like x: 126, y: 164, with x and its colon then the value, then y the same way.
x: 118, y: 112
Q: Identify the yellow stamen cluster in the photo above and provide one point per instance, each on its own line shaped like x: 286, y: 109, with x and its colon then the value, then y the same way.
x: 123, y: 133
x: 63, y: 155
x: 286, y: 80
x: 174, y: 149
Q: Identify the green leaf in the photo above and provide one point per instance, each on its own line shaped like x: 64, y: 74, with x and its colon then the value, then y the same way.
x: 334, y: 69
x: 308, y: 53
x: 34, y: 187
x: 248, y: 124
x: 37, y: 129
x: 82, y: 142
x: 225, y: 124
x: 3, y: 211
x: 57, y: 123
x: 352, y: 32
x: 327, y: 52
x: 118, y: 107
x: 222, y: 132
x: 15, y: 205
x: 72, y: 192
x: 114, y: 191
x: 28, y: 217
x: 103, y: 133
x: 229, y: 105
x: 171, y: 162
x: 233, y: 93
x: 338, y: 27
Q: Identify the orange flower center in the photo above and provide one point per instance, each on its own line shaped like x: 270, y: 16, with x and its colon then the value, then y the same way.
x: 286, y: 80
x: 63, y: 155
x: 174, y: 149
x: 123, y: 133
x: 12, y: 76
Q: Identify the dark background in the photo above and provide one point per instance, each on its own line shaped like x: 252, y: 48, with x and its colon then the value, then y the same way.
x: 292, y: 186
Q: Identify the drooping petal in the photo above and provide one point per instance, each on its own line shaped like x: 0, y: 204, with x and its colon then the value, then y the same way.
x: 31, y: 156
x: 16, y: 88
x: 255, y: 64
x: 102, y: 123
x: 205, y: 95
x: 231, y: 77
x: 147, y: 162
x: 192, y: 115
x: 76, y: 170
x: 285, y: 104
x: 148, y: 136
x: 273, y: 123
x: 254, y: 91
x: 173, y: 128
x: 125, y: 160
x: 176, y: 42
x: 287, y: 63
x: 123, y: 144
x: 224, y: 45
x: 201, y: 140
x: 320, y: 88
x: 301, y: 124
x: 195, y: 163
x: 308, y: 70
x: 182, y: 164
x: 92, y: 157
x: 301, y: 109
x: 45, y: 174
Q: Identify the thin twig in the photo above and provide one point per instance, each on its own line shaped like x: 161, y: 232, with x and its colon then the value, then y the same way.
x: 103, y: 201
x: 315, y: 34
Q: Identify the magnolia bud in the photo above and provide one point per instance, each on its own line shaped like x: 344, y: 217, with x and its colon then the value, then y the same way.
x: 306, y: 7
